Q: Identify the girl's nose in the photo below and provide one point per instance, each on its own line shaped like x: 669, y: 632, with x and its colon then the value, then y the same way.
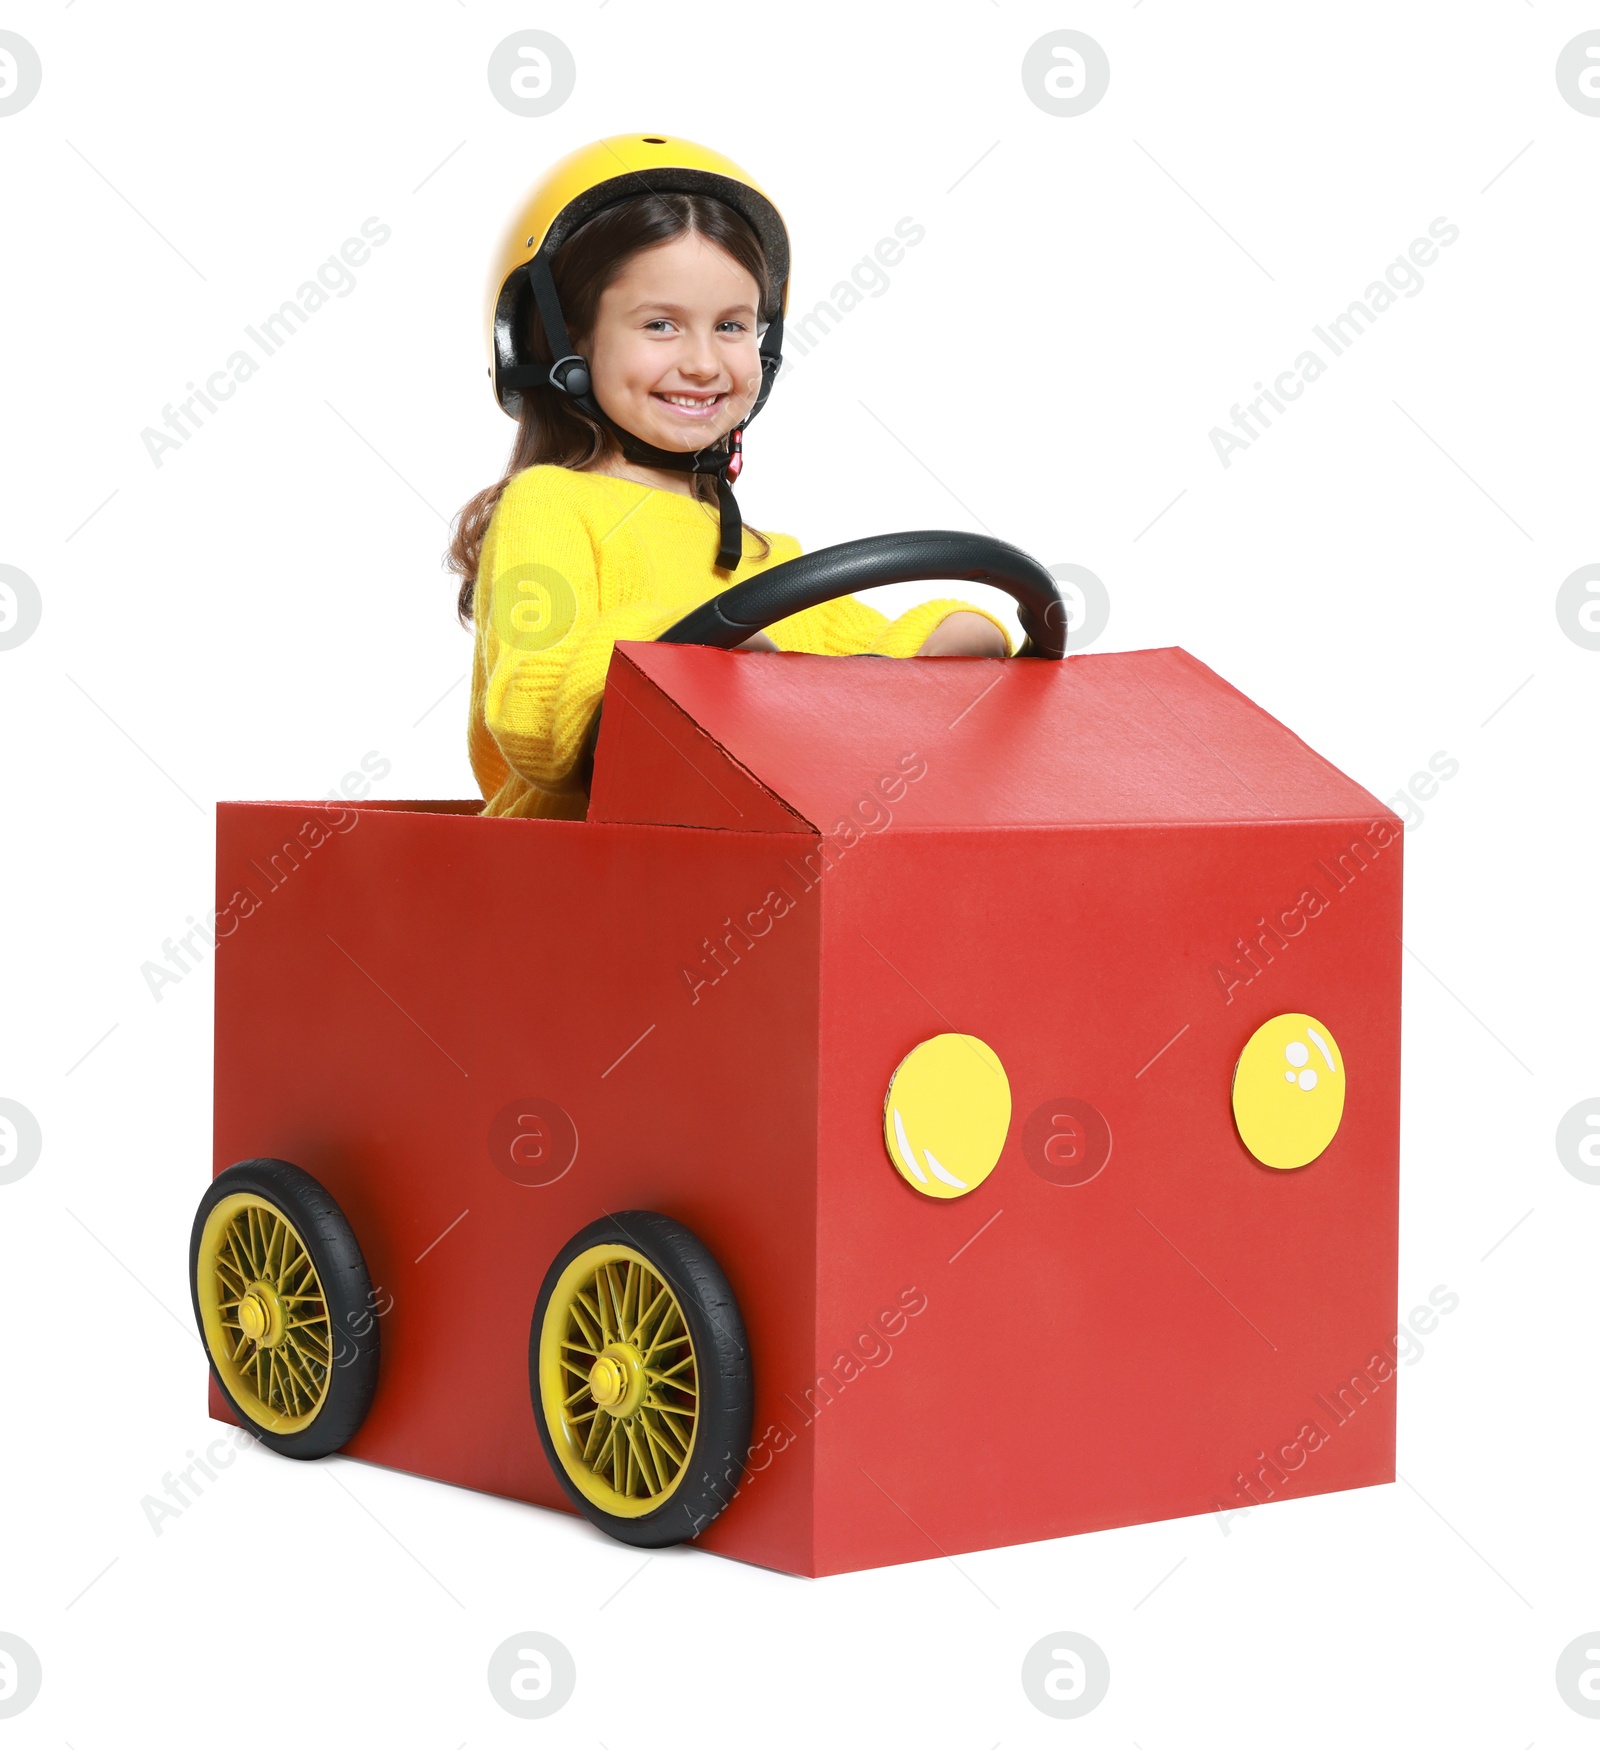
x: 698, y: 358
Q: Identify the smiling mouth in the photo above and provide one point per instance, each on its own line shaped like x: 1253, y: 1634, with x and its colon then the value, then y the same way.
x: 691, y: 406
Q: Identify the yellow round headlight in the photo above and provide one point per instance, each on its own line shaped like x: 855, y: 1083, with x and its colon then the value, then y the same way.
x: 946, y: 1115
x: 1288, y: 1091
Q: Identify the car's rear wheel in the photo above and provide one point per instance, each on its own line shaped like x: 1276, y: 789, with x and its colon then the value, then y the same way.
x: 285, y: 1307
x: 640, y: 1378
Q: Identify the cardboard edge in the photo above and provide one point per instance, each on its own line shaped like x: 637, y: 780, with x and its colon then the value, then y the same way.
x: 1321, y: 758
x: 620, y: 652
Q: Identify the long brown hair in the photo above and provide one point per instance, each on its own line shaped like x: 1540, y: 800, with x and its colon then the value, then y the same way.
x: 550, y: 429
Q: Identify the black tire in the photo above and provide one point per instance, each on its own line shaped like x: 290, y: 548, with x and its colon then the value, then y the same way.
x: 721, y: 1440
x: 350, y: 1376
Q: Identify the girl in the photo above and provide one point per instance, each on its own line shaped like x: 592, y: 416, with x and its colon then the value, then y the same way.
x: 634, y: 333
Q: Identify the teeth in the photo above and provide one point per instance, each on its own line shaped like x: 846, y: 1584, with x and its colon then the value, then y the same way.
x: 690, y: 400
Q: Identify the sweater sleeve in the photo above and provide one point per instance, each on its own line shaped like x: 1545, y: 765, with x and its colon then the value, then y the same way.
x: 545, y: 640
x: 848, y: 627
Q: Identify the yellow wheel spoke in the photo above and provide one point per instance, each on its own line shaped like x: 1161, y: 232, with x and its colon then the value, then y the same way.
x: 640, y: 1453
x: 666, y: 1376
x: 679, y: 1437
x: 674, y: 1459
x: 625, y: 1304
x: 684, y: 1404
x: 586, y: 1319
x: 312, y: 1365
x: 665, y: 1339
x: 599, y: 1311
x: 605, y: 1460
x: 285, y: 1382
x: 636, y: 1463
x: 637, y: 1334
x: 291, y: 1285
x: 653, y: 1402
x: 606, y: 1444
x: 286, y: 1251
x: 238, y: 1245
x: 606, y: 1294
x: 292, y: 1354
x: 290, y: 1257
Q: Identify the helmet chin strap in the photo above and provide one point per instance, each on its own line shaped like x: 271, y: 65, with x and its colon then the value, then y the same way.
x: 570, y: 374
x: 722, y: 465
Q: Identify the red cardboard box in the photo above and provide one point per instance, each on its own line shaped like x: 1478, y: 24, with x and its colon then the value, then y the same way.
x: 1111, y: 869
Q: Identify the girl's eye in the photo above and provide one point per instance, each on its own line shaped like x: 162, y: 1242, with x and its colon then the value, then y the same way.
x: 656, y: 322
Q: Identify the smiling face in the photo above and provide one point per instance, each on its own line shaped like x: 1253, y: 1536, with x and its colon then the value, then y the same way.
x: 673, y: 355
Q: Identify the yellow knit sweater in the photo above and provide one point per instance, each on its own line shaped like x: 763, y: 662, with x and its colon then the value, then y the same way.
x: 574, y: 561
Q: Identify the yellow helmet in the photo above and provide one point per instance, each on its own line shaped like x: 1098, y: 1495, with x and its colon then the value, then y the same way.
x: 575, y: 189
x: 596, y: 176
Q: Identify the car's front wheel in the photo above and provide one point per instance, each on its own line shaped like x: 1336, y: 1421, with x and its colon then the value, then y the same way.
x: 640, y: 1378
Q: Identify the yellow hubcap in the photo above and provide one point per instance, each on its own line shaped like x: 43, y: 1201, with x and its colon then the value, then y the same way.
x: 607, y: 1382
x: 618, y: 1381
x: 264, y: 1313
x: 256, y: 1319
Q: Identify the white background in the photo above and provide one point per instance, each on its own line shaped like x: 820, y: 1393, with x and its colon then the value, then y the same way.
x: 1093, y: 295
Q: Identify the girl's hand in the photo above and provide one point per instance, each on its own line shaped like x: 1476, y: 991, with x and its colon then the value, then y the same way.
x: 757, y: 641
x: 964, y: 634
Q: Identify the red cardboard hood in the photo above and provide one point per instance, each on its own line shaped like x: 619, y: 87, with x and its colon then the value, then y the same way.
x: 785, y: 742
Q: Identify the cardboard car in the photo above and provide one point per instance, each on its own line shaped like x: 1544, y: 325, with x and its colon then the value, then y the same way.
x: 925, y: 1106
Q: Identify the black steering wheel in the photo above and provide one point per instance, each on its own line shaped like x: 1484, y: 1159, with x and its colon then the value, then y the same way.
x: 824, y: 576
x: 730, y: 618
